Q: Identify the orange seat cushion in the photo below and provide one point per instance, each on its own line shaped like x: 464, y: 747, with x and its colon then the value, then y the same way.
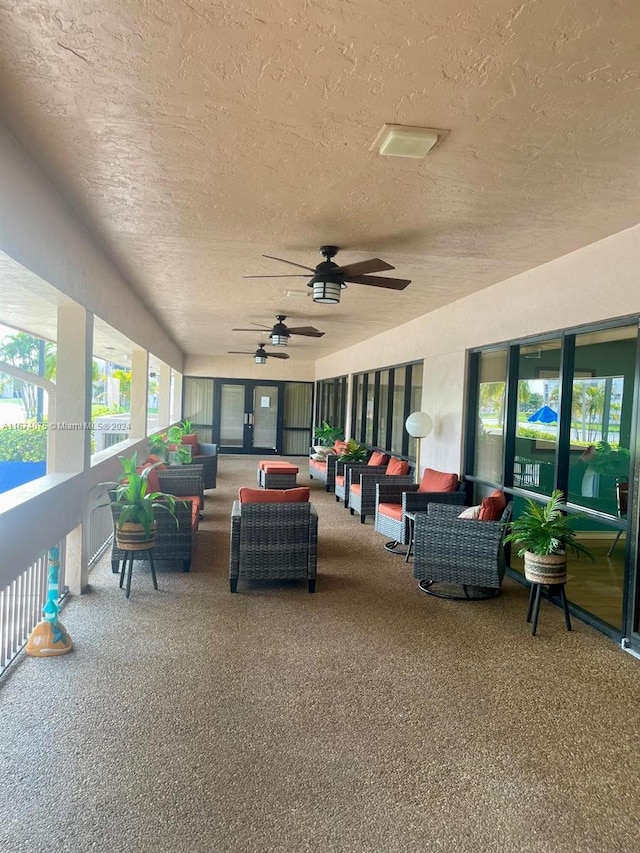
x: 438, y: 481
x: 391, y: 510
x: 492, y: 506
x: 273, y: 496
x: 397, y: 467
x: 339, y: 479
x: 321, y: 466
x: 378, y: 458
x: 355, y: 489
x: 279, y: 468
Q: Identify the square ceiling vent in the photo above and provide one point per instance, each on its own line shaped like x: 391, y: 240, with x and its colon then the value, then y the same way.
x: 399, y: 140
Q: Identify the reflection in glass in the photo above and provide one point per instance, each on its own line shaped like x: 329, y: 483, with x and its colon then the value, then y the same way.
x: 368, y: 436
x: 397, y: 424
x: 382, y: 408
x: 490, y: 415
x: 537, y: 417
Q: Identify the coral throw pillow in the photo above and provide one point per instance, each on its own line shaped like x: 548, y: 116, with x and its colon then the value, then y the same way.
x: 273, y: 496
x: 438, y: 481
x: 397, y: 467
x: 340, y: 447
x: 192, y: 441
x: 378, y: 458
x: 492, y: 507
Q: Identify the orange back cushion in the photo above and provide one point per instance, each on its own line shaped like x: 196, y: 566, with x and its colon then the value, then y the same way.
x: 438, y: 481
x: 273, y: 496
x: 493, y: 506
x: 397, y: 467
x: 153, y: 481
x: 192, y: 440
x: 340, y: 446
x: 155, y: 460
x: 378, y: 458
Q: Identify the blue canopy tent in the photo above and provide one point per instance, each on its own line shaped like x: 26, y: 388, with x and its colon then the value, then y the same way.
x: 544, y: 415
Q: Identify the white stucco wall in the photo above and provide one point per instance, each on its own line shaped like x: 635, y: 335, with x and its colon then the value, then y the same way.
x: 40, y: 231
x: 598, y: 282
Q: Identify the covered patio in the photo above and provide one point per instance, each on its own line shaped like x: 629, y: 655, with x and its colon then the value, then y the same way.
x: 367, y: 716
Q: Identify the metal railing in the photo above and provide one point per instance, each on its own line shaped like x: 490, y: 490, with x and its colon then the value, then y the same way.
x: 21, y: 604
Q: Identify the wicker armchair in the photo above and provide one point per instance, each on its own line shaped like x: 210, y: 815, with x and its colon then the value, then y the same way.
x: 459, y: 551
x: 398, y: 500
x: 273, y: 541
x: 172, y: 542
x: 363, y: 489
x: 207, y: 456
x: 344, y: 476
x: 324, y: 471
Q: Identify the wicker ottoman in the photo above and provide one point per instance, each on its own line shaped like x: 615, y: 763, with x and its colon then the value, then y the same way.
x: 277, y: 475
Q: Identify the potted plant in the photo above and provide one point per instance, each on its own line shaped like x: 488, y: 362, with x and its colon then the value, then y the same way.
x: 326, y: 435
x: 168, y: 447
x: 354, y: 452
x: 137, y: 505
x: 545, y: 537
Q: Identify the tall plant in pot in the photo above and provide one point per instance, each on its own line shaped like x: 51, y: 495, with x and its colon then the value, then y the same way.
x: 136, y: 506
x: 326, y: 435
x: 545, y: 538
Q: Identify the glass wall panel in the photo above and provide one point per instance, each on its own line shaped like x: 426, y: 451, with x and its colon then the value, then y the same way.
x: 368, y: 434
x: 537, y: 416
x: 397, y: 423
x: 383, y: 408
x: 415, y: 403
x: 198, y: 405
x: 490, y: 417
x: 601, y: 410
x: 357, y: 407
x: 296, y: 437
x: 232, y: 415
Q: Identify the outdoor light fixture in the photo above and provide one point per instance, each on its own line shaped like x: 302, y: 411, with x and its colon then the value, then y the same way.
x: 327, y: 291
x: 259, y: 358
x: 279, y: 335
x: 419, y: 425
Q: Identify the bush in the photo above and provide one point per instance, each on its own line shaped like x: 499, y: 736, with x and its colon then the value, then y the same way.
x: 23, y: 445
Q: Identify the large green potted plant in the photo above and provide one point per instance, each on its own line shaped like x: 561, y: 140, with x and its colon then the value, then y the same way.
x: 168, y: 446
x: 326, y: 435
x: 137, y: 506
x: 545, y: 537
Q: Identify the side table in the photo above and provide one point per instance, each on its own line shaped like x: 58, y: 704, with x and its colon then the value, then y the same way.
x: 131, y: 556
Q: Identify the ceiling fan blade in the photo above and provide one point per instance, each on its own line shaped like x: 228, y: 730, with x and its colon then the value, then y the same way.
x: 277, y: 355
x: 251, y: 330
x: 284, y: 275
x: 380, y: 281
x: 307, y: 331
x: 239, y: 352
x: 373, y: 265
x: 292, y: 263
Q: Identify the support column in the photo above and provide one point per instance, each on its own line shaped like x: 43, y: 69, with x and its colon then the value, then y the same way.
x: 176, y: 398
x: 69, y: 425
x: 139, y: 396
x: 71, y: 444
x: 164, y: 396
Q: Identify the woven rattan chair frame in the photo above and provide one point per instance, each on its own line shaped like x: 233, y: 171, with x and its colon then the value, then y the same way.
x: 273, y: 541
x: 351, y: 472
x: 183, y: 481
x: 208, y: 458
x: 411, y: 500
x: 459, y: 551
x: 364, y: 503
x: 326, y: 476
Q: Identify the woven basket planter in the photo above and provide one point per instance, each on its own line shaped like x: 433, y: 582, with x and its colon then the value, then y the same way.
x: 131, y: 537
x: 545, y: 568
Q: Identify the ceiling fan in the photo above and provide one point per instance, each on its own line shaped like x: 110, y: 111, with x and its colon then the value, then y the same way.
x: 260, y: 356
x: 329, y: 278
x: 280, y: 333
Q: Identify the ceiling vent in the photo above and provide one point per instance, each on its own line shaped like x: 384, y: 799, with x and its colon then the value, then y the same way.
x: 399, y: 140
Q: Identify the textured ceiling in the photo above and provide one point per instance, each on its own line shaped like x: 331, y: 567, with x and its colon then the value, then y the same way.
x: 195, y: 137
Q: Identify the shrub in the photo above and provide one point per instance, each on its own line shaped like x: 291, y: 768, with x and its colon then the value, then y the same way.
x: 23, y: 445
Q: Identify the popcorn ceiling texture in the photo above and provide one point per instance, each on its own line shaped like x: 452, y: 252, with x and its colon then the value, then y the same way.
x: 194, y: 137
